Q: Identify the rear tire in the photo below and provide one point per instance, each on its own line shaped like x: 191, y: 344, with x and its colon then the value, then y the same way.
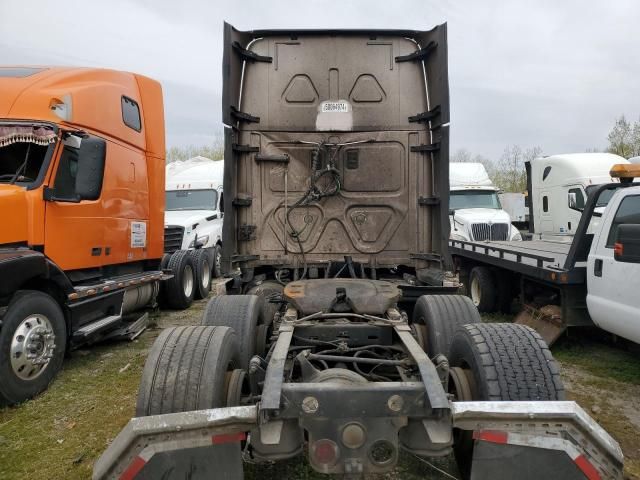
x: 243, y: 313
x: 202, y: 273
x: 501, y: 362
x: 180, y: 289
x: 165, y: 261
x: 186, y: 370
x: 30, y: 317
x: 508, y: 362
x: 482, y: 289
x: 442, y: 315
x: 265, y: 290
x: 189, y: 369
x: 217, y: 261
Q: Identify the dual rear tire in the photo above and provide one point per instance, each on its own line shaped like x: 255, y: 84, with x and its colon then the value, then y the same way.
x: 488, y: 361
x: 498, y: 362
x: 187, y: 369
x: 193, y: 368
x: 191, y: 270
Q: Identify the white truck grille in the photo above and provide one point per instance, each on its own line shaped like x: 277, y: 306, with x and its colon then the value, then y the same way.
x: 485, y: 231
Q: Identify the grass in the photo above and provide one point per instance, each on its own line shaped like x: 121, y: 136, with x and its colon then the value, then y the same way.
x: 600, y: 359
x: 62, y: 432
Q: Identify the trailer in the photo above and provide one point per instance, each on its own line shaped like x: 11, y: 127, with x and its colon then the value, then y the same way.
x: 344, y: 338
x: 561, y: 284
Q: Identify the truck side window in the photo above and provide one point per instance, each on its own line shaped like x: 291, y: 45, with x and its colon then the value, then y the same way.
x: 628, y: 212
x: 131, y: 114
x: 545, y: 173
x: 545, y: 204
x: 81, y: 170
x: 65, y: 183
x: 579, y: 197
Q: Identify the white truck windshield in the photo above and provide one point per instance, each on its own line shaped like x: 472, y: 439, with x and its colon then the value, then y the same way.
x: 473, y: 199
x: 191, y: 200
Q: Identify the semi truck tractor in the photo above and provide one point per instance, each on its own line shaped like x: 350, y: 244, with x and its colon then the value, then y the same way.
x: 553, y: 180
x: 336, y: 215
x: 475, y: 212
x: 193, y: 213
x: 82, y: 205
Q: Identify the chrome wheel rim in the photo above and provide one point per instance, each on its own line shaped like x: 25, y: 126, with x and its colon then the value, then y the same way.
x: 206, y: 274
x: 218, y: 261
x: 187, y: 280
x: 475, y: 292
x: 32, y: 347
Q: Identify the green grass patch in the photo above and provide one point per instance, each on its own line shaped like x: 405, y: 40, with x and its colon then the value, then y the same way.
x: 599, y: 359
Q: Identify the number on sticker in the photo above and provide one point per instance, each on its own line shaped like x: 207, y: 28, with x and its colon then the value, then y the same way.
x: 335, y: 107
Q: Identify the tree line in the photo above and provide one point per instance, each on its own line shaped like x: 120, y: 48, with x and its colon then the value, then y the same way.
x: 214, y: 151
x: 508, y: 171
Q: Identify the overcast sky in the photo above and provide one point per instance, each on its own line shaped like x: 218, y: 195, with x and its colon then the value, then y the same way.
x: 550, y: 73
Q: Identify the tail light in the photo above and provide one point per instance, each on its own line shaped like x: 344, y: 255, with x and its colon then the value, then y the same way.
x: 618, y: 248
x: 325, y: 452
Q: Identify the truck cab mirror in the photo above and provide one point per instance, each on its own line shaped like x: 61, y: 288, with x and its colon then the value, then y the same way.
x: 573, y: 200
x: 627, y: 243
x: 90, y: 171
x: 80, y: 170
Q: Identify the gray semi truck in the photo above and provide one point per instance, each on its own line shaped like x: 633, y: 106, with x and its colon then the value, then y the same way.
x: 344, y: 337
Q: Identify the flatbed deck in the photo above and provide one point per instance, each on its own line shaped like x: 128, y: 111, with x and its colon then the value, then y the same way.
x: 541, y: 259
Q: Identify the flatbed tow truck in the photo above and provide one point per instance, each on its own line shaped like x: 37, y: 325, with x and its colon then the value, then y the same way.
x: 345, y: 337
x: 563, y: 284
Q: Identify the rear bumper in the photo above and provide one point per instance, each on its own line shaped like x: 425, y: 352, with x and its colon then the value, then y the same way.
x: 561, y: 433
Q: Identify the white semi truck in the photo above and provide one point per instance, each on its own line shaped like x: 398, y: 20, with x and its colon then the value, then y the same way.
x: 558, y: 188
x: 193, y: 214
x: 475, y: 212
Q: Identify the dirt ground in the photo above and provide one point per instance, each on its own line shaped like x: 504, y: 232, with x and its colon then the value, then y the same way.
x: 61, y: 433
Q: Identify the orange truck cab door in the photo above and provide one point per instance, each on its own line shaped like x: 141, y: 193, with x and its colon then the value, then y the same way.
x: 74, y: 219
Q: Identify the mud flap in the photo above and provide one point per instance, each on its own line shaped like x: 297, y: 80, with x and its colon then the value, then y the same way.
x: 547, y: 321
x: 218, y: 462
x: 527, y: 459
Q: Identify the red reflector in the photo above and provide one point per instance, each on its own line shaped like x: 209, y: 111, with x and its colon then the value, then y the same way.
x: 618, y: 248
x: 587, y: 468
x: 133, y: 469
x: 228, y: 438
x: 492, y: 436
x: 324, y: 452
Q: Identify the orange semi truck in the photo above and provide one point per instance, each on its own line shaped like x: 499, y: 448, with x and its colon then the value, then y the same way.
x: 82, y: 164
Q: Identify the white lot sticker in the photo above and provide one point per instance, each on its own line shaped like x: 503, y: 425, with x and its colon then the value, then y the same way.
x: 138, y: 234
x: 338, y: 107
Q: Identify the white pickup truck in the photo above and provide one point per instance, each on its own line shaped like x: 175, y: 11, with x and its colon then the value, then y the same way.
x: 613, y: 266
x: 475, y: 212
x: 193, y: 216
x: 590, y: 280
